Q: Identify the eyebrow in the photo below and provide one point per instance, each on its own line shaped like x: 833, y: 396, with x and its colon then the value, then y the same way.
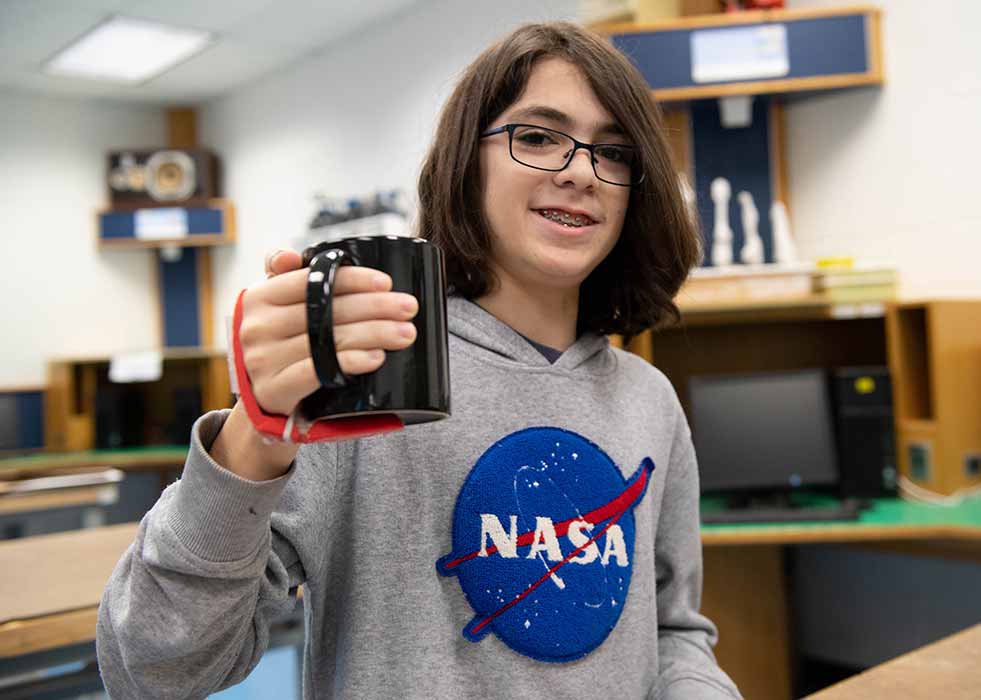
x: 563, y: 119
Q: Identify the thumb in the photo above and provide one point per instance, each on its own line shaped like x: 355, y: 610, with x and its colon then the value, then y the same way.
x: 280, y: 261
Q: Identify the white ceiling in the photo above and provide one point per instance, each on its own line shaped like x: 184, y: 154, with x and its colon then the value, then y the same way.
x: 254, y: 37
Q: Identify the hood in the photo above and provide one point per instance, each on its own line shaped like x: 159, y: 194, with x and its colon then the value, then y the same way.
x: 473, y: 324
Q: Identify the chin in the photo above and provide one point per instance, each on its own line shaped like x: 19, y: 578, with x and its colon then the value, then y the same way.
x: 563, y: 269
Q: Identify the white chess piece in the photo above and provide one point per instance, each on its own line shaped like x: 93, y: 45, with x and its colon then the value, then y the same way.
x: 721, y: 231
x: 784, y: 249
x: 752, y: 252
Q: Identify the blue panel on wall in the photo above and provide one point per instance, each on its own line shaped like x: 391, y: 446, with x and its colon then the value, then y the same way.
x: 179, y: 295
x: 30, y: 419
x: 201, y: 221
x: 742, y: 156
x: 204, y: 221
x: 819, y: 46
x: 827, y: 46
x: 117, y: 224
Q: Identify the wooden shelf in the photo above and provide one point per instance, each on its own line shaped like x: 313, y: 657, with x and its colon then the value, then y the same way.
x: 75, y: 383
x: 207, y: 224
x: 815, y: 308
x: 662, y: 51
x: 190, y: 242
x: 935, y: 361
x: 177, y: 353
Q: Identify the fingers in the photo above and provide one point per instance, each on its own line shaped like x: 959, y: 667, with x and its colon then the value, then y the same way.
x: 368, y: 318
x: 290, y: 287
x: 360, y: 361
x: 366, y: 306
x: 370, y: 335
x: 281, y: 392
x: 268, y: 359
x: 357, y: 339
x: 352, y: 279
x: 300, y: 378
x: 280, y: 261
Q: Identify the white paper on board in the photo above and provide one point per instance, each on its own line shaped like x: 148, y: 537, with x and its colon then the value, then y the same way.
x: 143, y: 366
x: 156, y: 224
x: 739, y: 53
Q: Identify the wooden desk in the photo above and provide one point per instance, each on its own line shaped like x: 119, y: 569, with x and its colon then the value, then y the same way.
x: 51, y: 594
x: 52, y: 584
x: 162, y: 458
x: 949, y: 669
x: 745, y: 586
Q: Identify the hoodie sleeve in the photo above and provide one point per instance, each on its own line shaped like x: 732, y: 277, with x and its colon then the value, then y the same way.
x: 188, y: 608
x: 688, y: 669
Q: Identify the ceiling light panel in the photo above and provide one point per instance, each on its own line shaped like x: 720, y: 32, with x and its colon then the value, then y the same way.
x: 127, y: 50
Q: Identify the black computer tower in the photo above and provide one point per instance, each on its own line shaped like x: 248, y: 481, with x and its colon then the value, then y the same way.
x: 120, y: 416
x: 865, y: 433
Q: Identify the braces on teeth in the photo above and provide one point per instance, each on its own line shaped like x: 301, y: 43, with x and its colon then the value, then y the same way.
x: 564, y: 218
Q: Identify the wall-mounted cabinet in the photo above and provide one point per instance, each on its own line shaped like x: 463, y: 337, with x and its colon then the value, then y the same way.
x: 722, y: 79
x: 755, y: 53
x: 212, y: 223
x: 935, y: 361
x: 84, y: 410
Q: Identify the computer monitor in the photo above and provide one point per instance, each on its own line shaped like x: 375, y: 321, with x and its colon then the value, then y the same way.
x: 763, y: 432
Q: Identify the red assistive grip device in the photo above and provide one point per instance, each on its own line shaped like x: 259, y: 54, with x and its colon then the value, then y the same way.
x: 288, y: 428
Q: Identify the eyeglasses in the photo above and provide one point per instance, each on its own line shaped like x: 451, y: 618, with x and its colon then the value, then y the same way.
x: 547, y: 149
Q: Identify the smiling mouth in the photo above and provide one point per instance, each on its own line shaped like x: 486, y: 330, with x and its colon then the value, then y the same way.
x: 565, y: 218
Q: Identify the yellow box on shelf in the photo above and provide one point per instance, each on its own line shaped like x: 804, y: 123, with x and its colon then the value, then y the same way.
x: 856, y: 283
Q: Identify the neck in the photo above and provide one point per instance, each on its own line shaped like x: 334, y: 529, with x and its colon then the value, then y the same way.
x: 546, y: 315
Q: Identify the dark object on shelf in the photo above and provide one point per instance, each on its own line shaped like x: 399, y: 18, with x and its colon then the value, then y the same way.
x: 768, y: 432
x: 866, y: 437
x: 187, y: 409
x: 162, y: 177
x: 120, y: 416
x: 845, y: 510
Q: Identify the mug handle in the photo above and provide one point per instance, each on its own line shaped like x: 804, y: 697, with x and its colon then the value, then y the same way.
x: 320, y: 316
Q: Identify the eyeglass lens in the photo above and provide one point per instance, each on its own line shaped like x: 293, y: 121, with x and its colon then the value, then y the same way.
x: 539, y: 147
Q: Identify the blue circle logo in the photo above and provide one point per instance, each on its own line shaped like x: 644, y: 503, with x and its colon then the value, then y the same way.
x: 543, y: 540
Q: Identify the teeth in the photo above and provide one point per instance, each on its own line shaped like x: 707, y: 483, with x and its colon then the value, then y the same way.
x: 565, y: 218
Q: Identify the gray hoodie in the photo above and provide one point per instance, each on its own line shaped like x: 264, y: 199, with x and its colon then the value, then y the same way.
x: 543, y: 542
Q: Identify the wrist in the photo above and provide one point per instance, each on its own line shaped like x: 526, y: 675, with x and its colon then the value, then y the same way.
x: 242, y: 450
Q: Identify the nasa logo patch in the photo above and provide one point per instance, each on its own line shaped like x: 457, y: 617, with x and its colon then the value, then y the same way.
x: 543, y: 543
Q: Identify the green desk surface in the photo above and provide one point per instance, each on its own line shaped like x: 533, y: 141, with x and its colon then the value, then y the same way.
x: 136, y: 458
x: 885, y: 519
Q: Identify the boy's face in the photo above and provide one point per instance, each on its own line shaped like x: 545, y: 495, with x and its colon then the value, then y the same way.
x: 527, y: 247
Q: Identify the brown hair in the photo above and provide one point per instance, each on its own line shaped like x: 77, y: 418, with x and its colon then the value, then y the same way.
x: 633, y: 287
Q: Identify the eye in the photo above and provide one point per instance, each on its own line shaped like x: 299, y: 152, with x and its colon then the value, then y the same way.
x: 536, y: 137
x: 614, y: 154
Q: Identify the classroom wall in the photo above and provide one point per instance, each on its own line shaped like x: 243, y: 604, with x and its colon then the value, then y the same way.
x: 892, y: 172
x: 59, y: 294
x: 355, y: 118
x: 874, y: 173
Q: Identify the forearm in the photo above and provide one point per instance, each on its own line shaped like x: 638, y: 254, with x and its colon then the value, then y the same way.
x: 188, y: 607
x: 240, y: 449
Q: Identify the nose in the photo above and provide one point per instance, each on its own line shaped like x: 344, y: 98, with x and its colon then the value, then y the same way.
x: 579, y: 172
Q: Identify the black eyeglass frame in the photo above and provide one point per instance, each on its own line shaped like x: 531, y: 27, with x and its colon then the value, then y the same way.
x: 577, y: 144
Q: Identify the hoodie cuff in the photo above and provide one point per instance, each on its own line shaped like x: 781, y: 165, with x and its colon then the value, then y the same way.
x: 217, y: 515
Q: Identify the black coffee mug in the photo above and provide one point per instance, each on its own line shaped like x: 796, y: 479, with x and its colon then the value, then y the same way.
x: 413, y: 383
